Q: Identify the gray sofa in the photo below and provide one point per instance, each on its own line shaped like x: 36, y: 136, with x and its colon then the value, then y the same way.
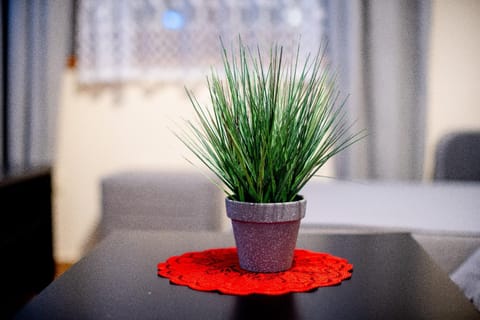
x: 189, y: 201
x: 160, y: 201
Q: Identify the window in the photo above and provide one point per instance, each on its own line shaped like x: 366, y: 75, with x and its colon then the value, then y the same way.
x: 126, y: 40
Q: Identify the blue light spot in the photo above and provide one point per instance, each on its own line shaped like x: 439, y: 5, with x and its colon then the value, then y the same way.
x: 173, y: 20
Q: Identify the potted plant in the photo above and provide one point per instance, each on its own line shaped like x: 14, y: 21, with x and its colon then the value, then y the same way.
x: 271, y: 125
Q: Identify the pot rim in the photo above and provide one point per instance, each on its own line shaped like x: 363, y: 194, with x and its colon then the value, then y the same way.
x: 299, y: 198
x: 266, y: 212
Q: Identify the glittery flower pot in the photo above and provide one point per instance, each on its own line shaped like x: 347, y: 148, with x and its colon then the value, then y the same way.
x: 266, y: 233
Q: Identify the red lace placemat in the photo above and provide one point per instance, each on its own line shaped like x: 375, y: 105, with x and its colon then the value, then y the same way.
x: 218, y: 270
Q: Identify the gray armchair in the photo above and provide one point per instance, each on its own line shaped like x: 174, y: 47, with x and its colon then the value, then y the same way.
x: 457, y: 157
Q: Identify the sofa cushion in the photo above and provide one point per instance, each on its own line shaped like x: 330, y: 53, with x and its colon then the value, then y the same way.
x: 467, y: 277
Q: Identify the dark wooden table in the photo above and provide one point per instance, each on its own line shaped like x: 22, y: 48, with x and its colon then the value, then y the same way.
x: 393, y: 278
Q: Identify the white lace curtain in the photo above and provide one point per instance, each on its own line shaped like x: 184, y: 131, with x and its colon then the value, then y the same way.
x: 123, y: 40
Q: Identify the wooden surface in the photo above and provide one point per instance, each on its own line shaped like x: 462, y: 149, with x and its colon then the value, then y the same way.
x: 393, y: 278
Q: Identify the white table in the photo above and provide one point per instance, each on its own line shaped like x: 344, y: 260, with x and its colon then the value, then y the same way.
x: 452, y: 207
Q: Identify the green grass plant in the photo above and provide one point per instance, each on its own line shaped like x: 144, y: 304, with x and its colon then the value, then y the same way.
x: 271, y: 125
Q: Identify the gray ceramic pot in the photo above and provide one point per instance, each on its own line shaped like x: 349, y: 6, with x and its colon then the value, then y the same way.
x: 266, y: 233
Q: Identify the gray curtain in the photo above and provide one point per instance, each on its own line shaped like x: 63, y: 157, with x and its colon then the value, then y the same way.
x: 36, y: 40
x: 379, y: 49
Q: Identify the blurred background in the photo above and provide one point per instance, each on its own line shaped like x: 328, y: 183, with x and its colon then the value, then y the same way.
x: 93, y: 87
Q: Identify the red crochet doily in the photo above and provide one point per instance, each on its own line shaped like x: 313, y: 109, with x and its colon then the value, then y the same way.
x: 218, y: 270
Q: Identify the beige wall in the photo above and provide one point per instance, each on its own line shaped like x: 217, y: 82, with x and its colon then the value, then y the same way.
x: 454, y: 76
x: 103, y: 130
